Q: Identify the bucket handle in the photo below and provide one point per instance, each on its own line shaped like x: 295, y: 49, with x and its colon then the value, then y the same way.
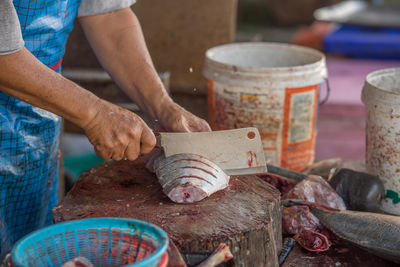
x: 328, y: 91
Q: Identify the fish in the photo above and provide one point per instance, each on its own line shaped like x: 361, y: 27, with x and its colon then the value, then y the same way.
x: 220, y: 255
x: 151, y: 157
x: 78, y: 262
x: 188, y: 178
x: 323, y: 168
x: 376, y: 233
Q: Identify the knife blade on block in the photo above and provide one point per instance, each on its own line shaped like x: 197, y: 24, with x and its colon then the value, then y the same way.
x: 237, y: 152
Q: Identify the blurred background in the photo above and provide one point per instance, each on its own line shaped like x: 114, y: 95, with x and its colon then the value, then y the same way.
x: 357, y: 36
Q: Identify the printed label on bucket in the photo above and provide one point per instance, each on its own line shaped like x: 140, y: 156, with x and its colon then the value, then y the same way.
x: 298, y: 135
x: 285, y: 118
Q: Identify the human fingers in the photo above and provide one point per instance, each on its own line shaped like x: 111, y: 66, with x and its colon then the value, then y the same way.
x: 103, y: 153
x: 132, y: 151
x: 199, y: 125
x: 147, y: 140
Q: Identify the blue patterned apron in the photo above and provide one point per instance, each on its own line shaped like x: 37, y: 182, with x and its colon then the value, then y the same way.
x: 29, y: 136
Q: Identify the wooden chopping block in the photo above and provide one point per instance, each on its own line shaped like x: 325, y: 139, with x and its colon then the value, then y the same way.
x: 246, y: 216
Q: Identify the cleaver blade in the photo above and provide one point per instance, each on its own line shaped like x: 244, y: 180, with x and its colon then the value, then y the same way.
x: 237, y: 152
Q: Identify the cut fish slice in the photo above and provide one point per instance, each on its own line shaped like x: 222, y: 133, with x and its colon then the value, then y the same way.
x: 187, y: 178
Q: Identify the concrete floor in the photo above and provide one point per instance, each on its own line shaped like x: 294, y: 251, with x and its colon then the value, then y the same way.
x: 341, y: 132
x: 341, y: 124
x: 347, y: 77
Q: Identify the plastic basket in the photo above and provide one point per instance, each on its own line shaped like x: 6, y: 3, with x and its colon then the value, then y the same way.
x: 103, y: 241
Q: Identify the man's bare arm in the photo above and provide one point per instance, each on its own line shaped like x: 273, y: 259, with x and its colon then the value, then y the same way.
x: 118, y: 42
x: 26, y: 78
x: 115, y: 133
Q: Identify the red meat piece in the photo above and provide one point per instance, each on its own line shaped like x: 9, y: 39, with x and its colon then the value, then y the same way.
x: 281, y: 183
x: 315, y: 189
x: 298, y: 218
x: 313, y: 241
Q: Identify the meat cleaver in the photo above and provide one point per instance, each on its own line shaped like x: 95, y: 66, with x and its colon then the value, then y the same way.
x: 237, y: 152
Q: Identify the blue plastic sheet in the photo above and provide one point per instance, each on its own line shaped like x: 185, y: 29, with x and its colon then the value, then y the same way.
x: 28, y: 169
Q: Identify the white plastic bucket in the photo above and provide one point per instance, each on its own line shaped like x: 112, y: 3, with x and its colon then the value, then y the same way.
x: 273, y: 87
x: 381, y: 96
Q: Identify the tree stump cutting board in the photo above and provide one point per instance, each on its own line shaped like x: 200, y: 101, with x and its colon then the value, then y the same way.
x: 246, y: 215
